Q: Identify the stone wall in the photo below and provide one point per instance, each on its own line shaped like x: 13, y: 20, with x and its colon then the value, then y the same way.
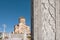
x: 46, y: 19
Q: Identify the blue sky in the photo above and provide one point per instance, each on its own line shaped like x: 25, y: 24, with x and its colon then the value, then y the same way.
x: 11, y: 10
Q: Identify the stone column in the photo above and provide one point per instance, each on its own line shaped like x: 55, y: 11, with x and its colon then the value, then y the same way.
x: 44, y: 19
x: 37, y: 20
x: 57, y: 19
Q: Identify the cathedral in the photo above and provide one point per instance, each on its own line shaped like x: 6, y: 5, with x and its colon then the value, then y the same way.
x: 21, y: 27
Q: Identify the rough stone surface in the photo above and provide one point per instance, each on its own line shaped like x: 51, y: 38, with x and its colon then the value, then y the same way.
x: 46, y: 19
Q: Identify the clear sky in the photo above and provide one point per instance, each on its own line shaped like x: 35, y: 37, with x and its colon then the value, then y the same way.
x: 11, y: 10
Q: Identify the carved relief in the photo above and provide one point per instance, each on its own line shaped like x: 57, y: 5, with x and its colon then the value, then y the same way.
x: 48, y: 17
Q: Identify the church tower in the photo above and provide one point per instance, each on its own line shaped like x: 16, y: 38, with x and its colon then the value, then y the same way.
x: 21, y: 27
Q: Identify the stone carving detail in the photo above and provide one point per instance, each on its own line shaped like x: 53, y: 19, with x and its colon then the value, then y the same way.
x: 48, y: 18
